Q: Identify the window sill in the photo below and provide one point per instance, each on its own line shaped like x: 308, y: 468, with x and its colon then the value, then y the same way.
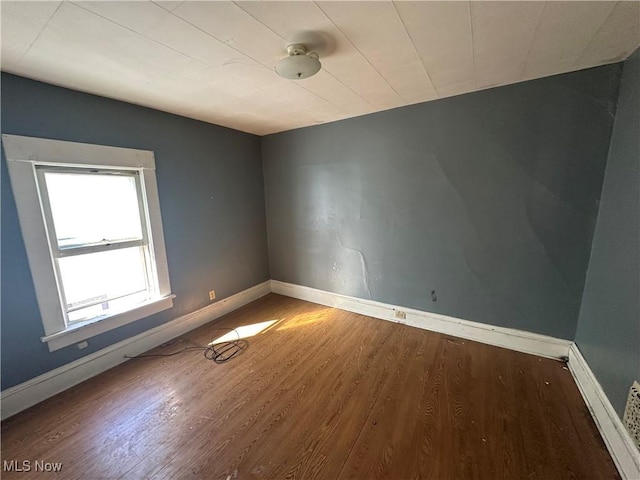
x: 91, y: 328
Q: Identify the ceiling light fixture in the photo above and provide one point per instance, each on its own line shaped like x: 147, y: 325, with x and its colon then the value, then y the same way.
x: 299, y: 64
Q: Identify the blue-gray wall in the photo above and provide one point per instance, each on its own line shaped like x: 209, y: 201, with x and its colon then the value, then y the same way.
x: 211, y: 196
x: 489, y: 199
x: 608, y: 333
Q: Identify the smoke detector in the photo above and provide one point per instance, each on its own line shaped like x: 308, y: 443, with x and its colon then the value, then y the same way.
x: 299, y: 64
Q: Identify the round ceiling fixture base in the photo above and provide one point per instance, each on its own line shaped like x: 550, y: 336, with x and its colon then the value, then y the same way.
x: 299, y: 64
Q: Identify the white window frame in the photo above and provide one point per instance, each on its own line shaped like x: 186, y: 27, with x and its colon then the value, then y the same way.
x: 23, y: 155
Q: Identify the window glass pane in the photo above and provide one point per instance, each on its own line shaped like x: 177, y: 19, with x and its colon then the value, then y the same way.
x: 102, y: 309
x: 90, y: 208
x: 103, y: 277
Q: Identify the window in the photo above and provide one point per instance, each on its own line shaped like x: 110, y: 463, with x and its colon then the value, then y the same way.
x: 90, y: 218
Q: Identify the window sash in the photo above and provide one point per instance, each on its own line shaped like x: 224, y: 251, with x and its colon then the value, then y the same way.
x: 58, y: 252
x: 106, y: 245
x: 149, y: 286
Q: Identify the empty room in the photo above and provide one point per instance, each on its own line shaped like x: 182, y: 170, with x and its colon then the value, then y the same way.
x: 320, y: 240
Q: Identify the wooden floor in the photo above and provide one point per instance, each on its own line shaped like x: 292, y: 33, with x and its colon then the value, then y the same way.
x: 321, y: 394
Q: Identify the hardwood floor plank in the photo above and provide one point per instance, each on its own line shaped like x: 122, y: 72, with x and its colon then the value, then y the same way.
x: 321, y: 393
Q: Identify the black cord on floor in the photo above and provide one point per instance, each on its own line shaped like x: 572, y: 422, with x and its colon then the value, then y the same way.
x: 149, y: 355
x: 225, y: 351
x: 216, y: 352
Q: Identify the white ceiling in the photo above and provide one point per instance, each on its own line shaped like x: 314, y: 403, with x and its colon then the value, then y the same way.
x: 214, y: 61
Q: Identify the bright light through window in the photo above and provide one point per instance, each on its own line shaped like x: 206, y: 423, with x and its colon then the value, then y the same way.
x: 89, y: 208
x: 109, y: 285
x: 101, y: 254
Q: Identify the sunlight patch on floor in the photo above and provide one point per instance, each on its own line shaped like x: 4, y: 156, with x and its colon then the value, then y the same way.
x: 245, y: 331
x: 307, y: 318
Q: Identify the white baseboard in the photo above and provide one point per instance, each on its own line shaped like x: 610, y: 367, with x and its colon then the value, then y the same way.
x: 622, y: 449
x: 31, y: 392
x: 519, y: 340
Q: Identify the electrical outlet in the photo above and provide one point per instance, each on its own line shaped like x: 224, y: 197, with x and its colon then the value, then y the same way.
x: 83, y: 345
x: 401, y: 315
x: 212, y: 295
